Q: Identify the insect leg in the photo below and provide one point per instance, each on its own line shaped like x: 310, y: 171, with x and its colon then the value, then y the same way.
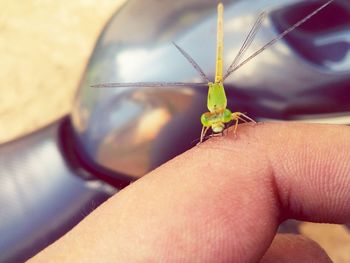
x: 236, y: 126
x: 203, y: 133
x: 238, y: 116
x: 245, y: 116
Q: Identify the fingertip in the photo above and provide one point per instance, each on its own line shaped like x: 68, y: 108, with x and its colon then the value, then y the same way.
x: 294, y: 248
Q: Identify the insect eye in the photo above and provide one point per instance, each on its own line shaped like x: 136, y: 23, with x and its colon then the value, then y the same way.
x: 227, y: 116
x: 205, y: 120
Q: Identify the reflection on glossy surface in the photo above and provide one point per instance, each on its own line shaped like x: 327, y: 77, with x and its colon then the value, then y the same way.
x: 323, y: 41
x: 343, y: 40
x: 133, y: 130
x: 149, y: 114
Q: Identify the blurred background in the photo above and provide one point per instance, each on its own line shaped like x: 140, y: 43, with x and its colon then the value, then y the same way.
x: 44, y: 48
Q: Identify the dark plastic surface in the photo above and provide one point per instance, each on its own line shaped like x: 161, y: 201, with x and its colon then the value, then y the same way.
x: 41, y: 197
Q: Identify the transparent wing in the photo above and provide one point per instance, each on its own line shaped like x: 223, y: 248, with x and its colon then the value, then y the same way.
x: 149, y: 84
x: 193, y: 63
x: 247, y: 42
x: 280, y: 36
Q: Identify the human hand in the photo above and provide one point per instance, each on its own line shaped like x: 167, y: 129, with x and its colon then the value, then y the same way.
x: 222, y: 201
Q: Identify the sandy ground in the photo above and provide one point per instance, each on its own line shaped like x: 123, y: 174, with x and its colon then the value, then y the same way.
x: 44, y: 46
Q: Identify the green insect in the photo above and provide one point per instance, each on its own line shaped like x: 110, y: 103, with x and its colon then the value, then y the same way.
x: 219, y: 116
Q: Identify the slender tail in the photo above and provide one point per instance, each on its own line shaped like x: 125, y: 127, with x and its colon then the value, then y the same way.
x: 219, y: 45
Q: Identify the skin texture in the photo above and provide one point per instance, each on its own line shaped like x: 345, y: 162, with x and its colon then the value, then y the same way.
x: 222, y: 201
x: 288, y: 248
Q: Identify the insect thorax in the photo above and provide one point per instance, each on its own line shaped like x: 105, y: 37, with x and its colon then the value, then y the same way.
x: 216, y: 120
x: 217, y: 100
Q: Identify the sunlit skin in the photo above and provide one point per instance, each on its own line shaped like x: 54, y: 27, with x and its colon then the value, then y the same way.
x: 219, y: 116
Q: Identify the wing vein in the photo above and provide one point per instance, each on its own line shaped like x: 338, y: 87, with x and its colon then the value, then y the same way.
x: 193, y: 62
x: 280, y: 36
x: 148, y: 84
x: 247, y: 42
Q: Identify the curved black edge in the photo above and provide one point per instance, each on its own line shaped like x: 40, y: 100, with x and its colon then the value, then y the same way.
x: 82, y: 163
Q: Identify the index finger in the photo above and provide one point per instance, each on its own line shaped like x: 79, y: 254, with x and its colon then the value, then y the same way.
x: 222, y: 201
